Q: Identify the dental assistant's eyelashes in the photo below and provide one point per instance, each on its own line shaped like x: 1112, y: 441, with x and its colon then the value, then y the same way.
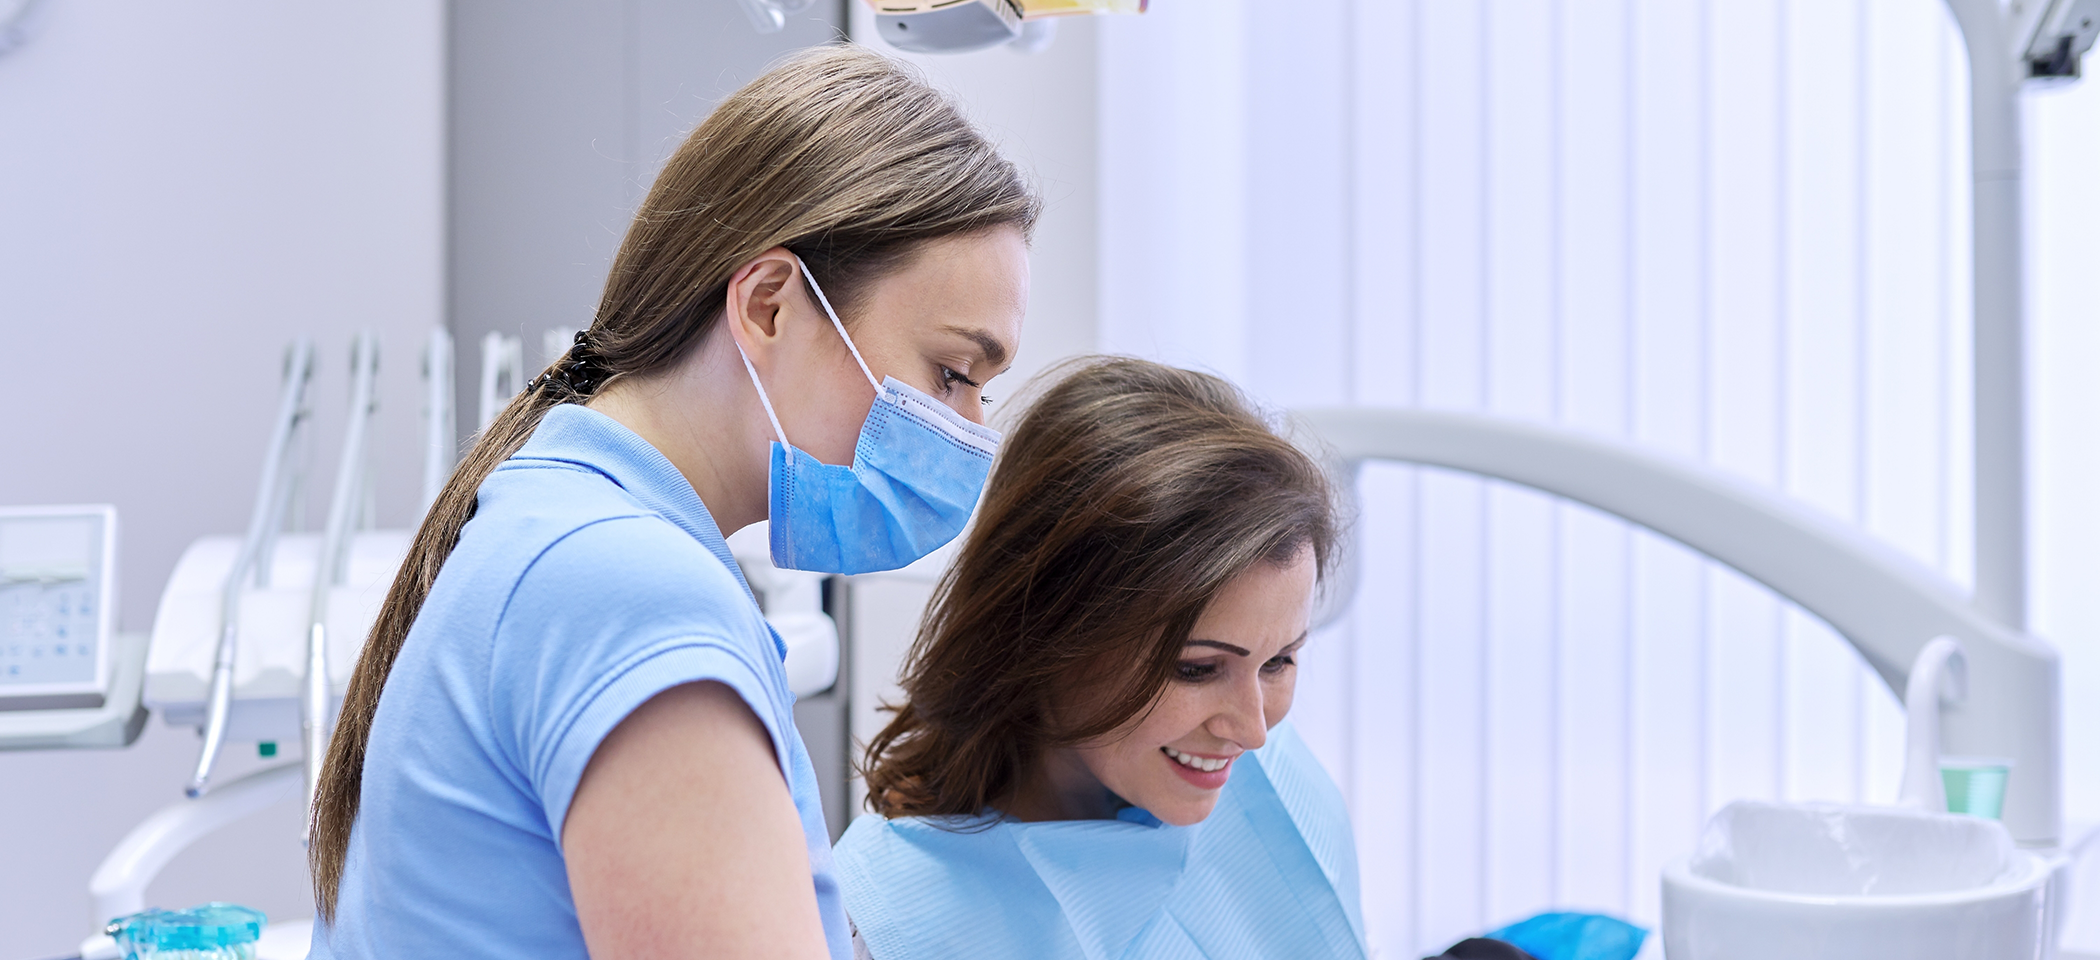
x: 949, y: 378
x: 1278, y: 663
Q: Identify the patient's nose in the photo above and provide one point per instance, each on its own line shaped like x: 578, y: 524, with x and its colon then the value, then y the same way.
x: 1239, y: 717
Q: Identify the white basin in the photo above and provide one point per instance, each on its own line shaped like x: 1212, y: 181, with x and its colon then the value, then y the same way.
x: 1830, y: 882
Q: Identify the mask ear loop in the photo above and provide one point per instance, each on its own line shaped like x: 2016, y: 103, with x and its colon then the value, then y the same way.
x: 836, y: 325
x: 763, y: 400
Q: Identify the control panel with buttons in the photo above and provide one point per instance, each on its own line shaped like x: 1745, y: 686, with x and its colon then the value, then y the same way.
x: 55, y: 586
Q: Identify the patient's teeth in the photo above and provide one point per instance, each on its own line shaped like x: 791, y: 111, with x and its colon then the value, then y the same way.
x: 1208, y: 765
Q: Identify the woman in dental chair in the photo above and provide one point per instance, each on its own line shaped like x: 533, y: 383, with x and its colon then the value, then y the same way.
x: 1091, y: 759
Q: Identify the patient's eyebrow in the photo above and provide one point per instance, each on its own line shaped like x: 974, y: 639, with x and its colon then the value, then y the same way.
x: 1220, y: 644
x: 994, y: 351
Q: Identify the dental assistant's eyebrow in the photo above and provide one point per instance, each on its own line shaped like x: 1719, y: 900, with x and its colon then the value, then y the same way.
x: 994, y: 351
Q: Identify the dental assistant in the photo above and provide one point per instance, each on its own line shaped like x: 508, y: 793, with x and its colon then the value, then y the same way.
x: 570, y: 733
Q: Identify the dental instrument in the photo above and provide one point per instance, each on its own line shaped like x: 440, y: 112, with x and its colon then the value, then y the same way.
x: 503, y: 371
x: 352, y: 486
x: 270, y: 505
x: 440, y: 426
x: 502, y: 374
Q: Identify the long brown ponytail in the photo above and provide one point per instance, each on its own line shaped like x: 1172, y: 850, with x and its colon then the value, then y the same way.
x: 839, y: 154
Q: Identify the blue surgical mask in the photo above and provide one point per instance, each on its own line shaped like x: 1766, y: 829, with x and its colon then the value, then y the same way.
x: 917, y: 472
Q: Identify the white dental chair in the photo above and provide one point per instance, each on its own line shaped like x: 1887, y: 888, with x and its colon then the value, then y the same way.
x: 1884, y: 604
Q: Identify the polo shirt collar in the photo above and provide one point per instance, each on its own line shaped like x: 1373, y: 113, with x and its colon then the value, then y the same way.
x: 571, y: 433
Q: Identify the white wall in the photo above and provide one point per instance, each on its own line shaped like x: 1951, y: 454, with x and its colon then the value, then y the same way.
x: 184, y: 188
x: 561, y: 115
x: 1736, y: 231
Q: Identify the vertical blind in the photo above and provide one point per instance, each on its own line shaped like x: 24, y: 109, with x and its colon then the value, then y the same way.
x: 1735, y: 231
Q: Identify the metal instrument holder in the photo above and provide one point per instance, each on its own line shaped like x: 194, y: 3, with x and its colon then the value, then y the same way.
x: 502, y: 374
x: 119, y: 883
x: 440, y: 425
x: 271, y: 503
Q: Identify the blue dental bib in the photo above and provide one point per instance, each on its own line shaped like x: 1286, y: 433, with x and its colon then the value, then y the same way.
x: 1270, y: 873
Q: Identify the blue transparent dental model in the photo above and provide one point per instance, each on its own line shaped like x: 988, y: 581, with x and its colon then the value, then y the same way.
x: 214, y: 931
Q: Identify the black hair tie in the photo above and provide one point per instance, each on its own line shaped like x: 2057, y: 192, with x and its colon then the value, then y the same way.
x: 579, y: 371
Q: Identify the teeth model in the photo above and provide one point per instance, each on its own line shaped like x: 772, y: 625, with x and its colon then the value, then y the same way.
x: 1199, y: 763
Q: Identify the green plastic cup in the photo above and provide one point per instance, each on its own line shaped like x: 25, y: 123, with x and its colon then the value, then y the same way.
x: 1975, y: 785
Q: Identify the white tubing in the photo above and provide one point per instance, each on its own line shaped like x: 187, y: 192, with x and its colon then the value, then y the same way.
x: 118, y: 886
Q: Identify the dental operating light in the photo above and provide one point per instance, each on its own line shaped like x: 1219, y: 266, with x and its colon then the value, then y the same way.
x: 2051, y: 37
x: 960, y: 26
x: 953, y: 26
x: 770, y: 16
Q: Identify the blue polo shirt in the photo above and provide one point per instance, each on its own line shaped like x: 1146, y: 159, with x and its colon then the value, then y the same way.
x: 590, y: 579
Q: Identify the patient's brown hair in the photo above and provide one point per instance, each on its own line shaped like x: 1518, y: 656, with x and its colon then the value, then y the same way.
x: 1124, y: 499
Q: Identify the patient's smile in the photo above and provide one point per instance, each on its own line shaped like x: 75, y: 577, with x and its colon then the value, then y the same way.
x: 1206, y: 764
x: 1207, y: 774
x: 1233, y: 681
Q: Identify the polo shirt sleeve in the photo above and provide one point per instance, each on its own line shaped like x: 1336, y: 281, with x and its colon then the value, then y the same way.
x: 606, y: 618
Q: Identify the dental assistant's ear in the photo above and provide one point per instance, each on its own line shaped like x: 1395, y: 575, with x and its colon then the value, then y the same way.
x: 758, y: 292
